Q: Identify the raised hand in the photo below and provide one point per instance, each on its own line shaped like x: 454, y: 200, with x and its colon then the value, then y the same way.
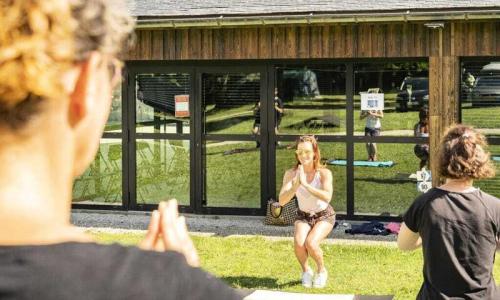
x: 167, y: 231
x: 302, y: 175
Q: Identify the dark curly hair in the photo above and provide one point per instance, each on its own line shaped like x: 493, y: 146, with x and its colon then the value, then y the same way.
x: 463, y: 154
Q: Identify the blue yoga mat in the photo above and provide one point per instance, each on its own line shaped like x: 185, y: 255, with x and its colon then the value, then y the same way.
x: 361, y: 163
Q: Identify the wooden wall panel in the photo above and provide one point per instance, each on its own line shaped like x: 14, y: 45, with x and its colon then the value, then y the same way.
x: 249, y: 43
x: 237, y: 40
x: 393, y: 40
x: 379, y: 39
x: 337, y: 41
x: 265, y: 42
x: 318, y: 41
x: 279, y: 42
x: 487, y: 42
x: 207, y: 42
x: 303, y: 41
x: 194, y: 44
x: 326, y: 49
x: 351, y: 43
x: 169, y: 44
x: 364, y: 40
x: 420, y: 40
x: 144, y: 44
x: 157, y: 44
x: 291, y: 42
x: 461, y: 38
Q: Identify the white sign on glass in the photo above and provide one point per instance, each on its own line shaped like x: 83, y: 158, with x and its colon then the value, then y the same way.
x: 372, y: 101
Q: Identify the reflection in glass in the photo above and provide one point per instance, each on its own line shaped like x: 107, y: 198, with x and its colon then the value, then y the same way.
x: 231, y: 102
x: 492, y: 186
x: 162, y: 103
x: 162, y: 171
x: 385, y: 190
x: 101, y: 183
x: 232, y: 175
x: 405, y: 89
x: 480, y: 96
x: 114, y: 123
x: 314, y: 99
x: 285, y: 159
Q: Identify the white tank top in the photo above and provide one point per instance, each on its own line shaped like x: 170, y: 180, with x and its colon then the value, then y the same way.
x: 372, y: 122
x: 307, y: 201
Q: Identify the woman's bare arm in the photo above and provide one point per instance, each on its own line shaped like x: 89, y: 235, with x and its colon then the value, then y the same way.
x: 407, y: 239
x: 290, y: 185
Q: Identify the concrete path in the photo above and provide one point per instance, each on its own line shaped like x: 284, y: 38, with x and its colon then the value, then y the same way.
x: 214, y: 225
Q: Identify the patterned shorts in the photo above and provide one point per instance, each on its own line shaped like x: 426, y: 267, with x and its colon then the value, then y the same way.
x: 327, y: 215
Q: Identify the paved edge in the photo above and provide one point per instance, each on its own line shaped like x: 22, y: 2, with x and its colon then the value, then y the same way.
x: 329, y: 241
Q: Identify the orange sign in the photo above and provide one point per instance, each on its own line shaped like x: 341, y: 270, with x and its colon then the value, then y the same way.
x: 181, y: 106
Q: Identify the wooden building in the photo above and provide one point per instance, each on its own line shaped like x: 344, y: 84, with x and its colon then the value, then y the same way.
x: 200, y: 71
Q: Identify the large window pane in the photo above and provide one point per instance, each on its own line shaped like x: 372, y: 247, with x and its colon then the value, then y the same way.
x: 231, y: 102
x: 405, y: 89
x: 162, y: 171
x: 480, y: 96
x: 114, y: 123
x: 101, y: 183
x: 232, y: 176
x: 162, y: 103
x: 385, y: 190
x: 285, y: 159
x: 492, y: 186
x: 314, y: 99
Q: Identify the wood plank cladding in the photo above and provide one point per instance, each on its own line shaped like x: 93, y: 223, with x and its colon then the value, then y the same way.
x: 318, y: 41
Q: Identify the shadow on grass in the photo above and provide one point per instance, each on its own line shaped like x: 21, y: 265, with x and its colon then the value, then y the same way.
x: 250, y: 282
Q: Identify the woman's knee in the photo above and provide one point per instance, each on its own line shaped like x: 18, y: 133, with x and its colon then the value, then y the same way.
x: 312, y: 244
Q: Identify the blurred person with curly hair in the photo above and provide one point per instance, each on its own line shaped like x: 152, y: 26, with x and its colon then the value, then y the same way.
x: 58, y: 66
x: 456, y: 224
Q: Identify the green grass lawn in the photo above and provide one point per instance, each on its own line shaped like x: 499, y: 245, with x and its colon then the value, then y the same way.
x: 258, y: 263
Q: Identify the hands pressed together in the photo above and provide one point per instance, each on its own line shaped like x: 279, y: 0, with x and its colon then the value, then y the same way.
x: 300, y: 177
x: 168, y: 231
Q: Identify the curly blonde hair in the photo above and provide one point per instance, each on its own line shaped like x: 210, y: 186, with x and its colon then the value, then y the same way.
x: 42, y: 39
x: 463, y: 154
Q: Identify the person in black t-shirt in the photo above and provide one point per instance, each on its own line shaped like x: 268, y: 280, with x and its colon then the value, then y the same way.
x: 256, y: 122
x: 58, y: 67
x: 279, y: 110
x: 456, y: 224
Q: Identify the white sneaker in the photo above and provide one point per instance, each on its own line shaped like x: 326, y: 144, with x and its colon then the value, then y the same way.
x: 320, y: 280
x: 307, y: 279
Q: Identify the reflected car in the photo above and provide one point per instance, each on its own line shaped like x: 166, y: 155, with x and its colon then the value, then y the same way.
x: 486, y: 90
x: 413, y: 93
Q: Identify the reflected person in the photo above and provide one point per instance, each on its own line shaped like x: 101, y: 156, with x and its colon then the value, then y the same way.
x: 421, y: 129
x: 372, y: 128
x: 279, y: 110
x: 256, y: 122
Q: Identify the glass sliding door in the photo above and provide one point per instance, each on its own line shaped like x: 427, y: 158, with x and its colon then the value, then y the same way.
x: 161, y: 136
x: 232, y: 120
x: 101, y: 183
